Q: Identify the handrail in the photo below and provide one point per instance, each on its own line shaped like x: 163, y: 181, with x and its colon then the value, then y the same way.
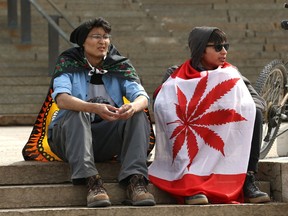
x: 51, y: 21
x: 62, y: 15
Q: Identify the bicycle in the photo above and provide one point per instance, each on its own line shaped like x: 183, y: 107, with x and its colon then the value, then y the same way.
x: 272, y: 85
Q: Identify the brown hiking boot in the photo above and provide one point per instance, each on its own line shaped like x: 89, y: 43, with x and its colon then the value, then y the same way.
x: 97, y: 195
x: 137, y: 192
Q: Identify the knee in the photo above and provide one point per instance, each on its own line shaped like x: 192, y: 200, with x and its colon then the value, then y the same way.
x: 78, y: 116
x: 141, y: 117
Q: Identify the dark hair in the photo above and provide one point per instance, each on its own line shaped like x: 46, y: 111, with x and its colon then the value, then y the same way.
x: 197, y: 41
x: 217, y: 37
x: 80, y: 34
x: 99, y: 23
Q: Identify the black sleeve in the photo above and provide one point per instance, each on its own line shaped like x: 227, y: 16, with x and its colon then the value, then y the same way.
x: 169, y: 71
x: 259, y: 101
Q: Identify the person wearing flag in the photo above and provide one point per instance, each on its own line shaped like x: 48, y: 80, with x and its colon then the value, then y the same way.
x: 208, y: 120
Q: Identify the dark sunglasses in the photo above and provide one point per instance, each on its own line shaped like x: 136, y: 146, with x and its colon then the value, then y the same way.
x: 219, y: 47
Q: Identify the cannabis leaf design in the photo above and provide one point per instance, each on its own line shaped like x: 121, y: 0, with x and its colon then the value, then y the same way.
x: 193, y: 118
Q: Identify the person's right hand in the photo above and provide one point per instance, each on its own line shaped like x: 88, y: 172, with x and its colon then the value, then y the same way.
x: 106, y: 111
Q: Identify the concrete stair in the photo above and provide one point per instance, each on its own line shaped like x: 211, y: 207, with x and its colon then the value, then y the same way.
x: 151, y: 33
x: 253, y: 27
x: 44, y: 188
x: 134, y: 39
x: 167, y: 210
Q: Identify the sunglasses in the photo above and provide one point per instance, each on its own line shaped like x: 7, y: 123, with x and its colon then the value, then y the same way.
x: 219, y: 47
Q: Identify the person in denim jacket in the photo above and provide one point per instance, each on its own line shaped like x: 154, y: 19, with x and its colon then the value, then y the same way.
x: 93, y: 123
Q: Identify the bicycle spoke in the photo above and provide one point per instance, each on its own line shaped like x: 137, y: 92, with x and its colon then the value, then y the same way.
x: 271, y: 85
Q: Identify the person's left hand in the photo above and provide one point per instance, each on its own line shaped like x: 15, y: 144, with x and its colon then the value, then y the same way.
x: 126, y: 111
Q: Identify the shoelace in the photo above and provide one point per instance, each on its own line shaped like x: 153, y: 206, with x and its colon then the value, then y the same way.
x: 96, y: 184
x: 98, y: 189
x: 140, y: 186
x: 253, y: 186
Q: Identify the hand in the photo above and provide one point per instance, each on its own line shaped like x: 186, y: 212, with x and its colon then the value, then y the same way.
x: 126, y: 111
x: 107, y: 112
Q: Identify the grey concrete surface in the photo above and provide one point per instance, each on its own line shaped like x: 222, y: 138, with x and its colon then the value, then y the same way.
x: 13, y: 138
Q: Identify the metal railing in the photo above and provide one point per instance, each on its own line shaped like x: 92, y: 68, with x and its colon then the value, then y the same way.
x: 54, y: 29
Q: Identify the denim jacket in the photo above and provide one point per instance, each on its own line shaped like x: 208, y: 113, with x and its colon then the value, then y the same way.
x: 77, y: 84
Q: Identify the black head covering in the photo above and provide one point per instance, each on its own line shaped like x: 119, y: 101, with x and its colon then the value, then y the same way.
x: 79, y: 35
x: 197, y: 41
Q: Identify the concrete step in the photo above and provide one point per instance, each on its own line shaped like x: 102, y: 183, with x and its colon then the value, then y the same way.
x: 272, y: 209
x: 20, y: 109
x: 275, y: 170
x: 186, y: 10
x: 22, y: 98
x: 31, y: 184
x: 35, y: 172
x: 8, y: 118
x: 25, y: 80
x: 24, y: 66
x: 30, y: 180
x: 40, y: 89
x: 179, y: 1
x: 111, y: 5
x: 10, y: 70
x: 153, y: 39
x: 64, y: 195
x: 248, y: 5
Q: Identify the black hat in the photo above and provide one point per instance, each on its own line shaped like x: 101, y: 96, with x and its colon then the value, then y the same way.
x: 79, y: 35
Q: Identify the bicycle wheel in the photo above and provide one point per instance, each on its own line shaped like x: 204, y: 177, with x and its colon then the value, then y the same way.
x: 271, y: 84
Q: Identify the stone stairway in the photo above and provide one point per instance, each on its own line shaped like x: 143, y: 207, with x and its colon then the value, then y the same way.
x: 253, y: 27
x: 153, y: 34
x: 167, y: 210
x: 41, y: 188
x: 133, y: 34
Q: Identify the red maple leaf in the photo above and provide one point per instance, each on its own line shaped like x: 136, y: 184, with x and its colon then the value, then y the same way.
x: 193, y: 118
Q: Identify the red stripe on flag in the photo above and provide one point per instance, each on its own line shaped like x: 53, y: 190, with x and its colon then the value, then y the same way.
x: 218, y: 188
